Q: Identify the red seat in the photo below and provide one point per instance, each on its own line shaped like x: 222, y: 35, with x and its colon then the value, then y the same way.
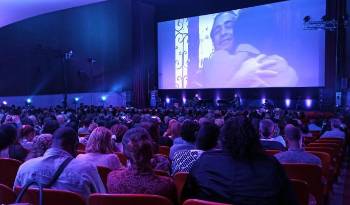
x: 9, y: 168
x: 128, y: 199
x: 7, y: 196
x: 180, y: 180
x: 164, y: 150
x: 272, y: 152
x: 327, y: 169
x: 52, y: 197
x: 122, y: 158
x: 312, y: 174
x: 201, y: 202
x: 103, y: 172
x: 161, y: 173
x: 301, y: 190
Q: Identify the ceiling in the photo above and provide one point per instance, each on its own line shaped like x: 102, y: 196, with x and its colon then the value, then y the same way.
x: 16, y: 10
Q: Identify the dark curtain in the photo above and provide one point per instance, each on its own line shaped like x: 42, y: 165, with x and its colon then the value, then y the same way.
x: 144, y: 51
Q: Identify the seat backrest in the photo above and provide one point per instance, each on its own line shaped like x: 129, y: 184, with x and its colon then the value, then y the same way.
x: 164, y: 150
x: 201, y: 202
x: 326, y: 162
x: 312, y: 174
x: 51, y: 197
x: 128, y: 199
x: 7, y: 196
x: 9, y: 168
x: 301, y: 190
x: 180, y: 180
x: 122, y: 158
x: 103, y: 172
x: 161, y: 173
x: 331, y: 145
x: 329, y: 150
x: 272, y: 152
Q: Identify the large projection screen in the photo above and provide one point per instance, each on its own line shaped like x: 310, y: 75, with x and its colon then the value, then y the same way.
x: 262, y: 46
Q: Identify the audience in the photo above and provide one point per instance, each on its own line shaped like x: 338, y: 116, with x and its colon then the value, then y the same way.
x: 118, y: 132
x: 239, y: 173
x: 335, y: 131
x: 139, y: 177
x: 207, y: 138
x: 266, y: 129
x: 41, y: 143
x: 187, y: 139
x: 27, y: 133
x: 295, y: 153
x: 79, y: 177
x: 9, y: 146
x: 99, y: 150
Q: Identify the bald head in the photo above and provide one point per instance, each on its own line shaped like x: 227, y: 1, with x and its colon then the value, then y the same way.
x: 65, y: 138
x: 292, y: 133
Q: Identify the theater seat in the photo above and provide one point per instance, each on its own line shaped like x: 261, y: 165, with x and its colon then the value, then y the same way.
x: 312, y: 174
x: 201, y: 202
x: 51, y: 197
x: 164, y: 150
x: 301, y: 190
x: 7, y: 196
x: 103, y: 172
x: 180, y: 180
x: 9, y: 168
x: 161, y: 173
x: 128, y: 199
x: 272, y: 152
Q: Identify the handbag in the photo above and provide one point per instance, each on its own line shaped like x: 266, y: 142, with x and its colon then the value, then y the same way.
x: 42, y: 186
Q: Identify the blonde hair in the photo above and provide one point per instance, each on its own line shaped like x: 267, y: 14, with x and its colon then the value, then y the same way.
x: 100, y: 141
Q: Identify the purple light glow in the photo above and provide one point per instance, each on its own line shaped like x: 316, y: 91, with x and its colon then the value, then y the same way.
x: 308, y: 103
x: 287, y: 101
x: 16, y: 10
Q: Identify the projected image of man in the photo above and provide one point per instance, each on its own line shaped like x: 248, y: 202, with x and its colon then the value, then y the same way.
x: 242, y: 65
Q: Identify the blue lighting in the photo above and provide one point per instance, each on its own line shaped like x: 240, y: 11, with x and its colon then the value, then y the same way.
x: 184, y: 100
x: 167, y: 100
x: 104, y: 98
x: 76, y: 99
x: 29, y: 101
x: 263, y: 100
x: 308, y: 103
x: 287, y: 101
x: 4, y: 102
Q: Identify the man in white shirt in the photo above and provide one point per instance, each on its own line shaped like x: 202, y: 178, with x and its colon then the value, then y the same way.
x: 79, y: 177
x: 335, y: 132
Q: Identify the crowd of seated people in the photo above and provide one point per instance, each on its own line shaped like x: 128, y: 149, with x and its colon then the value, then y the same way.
x: 222, y: 150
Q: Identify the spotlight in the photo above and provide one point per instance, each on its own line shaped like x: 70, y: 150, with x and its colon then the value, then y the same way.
x: 167, y: 100
x: 263, y: 100
x: 308, y: 103
x: 307, y: 19
x: 104, y: 98
x: 184, y: 100
x: 76, y: 99
x: 287, y: 101
x: 4, y: 102
x: 29, y: 100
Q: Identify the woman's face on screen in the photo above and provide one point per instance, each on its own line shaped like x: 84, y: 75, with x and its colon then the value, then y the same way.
x: 222, y: 31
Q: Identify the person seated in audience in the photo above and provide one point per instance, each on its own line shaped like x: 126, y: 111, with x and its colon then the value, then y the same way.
x: 50, y: 126
x: 99, y: 150
x: 41, y: 143
x: 187, y: 139
x: 266, y: 129
x: 84, y: 129
x: 296, y: 153
x: 276, y: 136
x: 61, y: 120
x: 9, y: 146
x: 239, y: 173
x: 206, y: 139
x: 139, y: 177
x: 335, y: 131
x: 27, y: 133
x: 78, y: 176
x: 173, y: 132
x: 313, y: 126
x: 118, y: 132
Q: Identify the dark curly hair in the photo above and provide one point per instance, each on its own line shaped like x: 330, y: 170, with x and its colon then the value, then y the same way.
x: 239, y: 137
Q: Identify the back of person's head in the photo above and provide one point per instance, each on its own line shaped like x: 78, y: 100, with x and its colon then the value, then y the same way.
x: 175, y: 128
x: 8, y: 135
x: 153, y: 130
x: 65, y: 138
x: 27, y: 132
x: 266, y: 127
x: 60, y: 119
x: 40, y: 144
x: 189, y: 130
x: 292, y: 134
x: 207, y: 136
x: 50, y: 126
x: 138, y: 148
x: 119, y: 130
x: 238, y: 137
x: 100, y: 141
x: 335, y: 123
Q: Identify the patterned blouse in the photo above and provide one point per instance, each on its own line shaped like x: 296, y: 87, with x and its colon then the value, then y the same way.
x: 129, y: 181
x: 184, y: 160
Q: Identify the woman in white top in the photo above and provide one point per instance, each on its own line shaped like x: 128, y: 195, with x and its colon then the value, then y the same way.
x: 99, y: 150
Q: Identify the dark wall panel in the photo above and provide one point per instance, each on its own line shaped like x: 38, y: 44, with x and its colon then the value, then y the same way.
x: 32, y: 51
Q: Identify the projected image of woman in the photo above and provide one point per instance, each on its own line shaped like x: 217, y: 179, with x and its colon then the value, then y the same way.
x: 242, y: 65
